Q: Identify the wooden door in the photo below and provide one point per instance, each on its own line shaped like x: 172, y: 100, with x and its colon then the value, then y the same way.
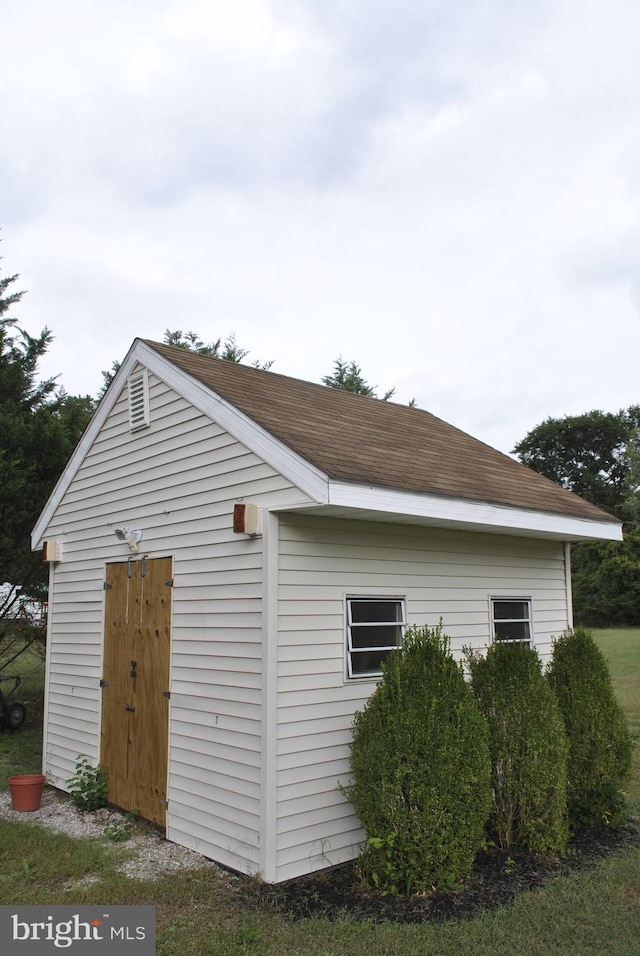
x: 135, y: 680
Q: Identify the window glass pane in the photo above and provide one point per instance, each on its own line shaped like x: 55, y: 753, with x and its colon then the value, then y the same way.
x: 375, y: 635
x: 512, y: 631
x: 511, y: 620
x: 363, y: 612
x: 510, y: 610
x: 367, y: 662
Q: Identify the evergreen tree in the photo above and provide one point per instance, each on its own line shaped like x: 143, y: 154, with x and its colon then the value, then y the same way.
x: 230, y: 351
x: 348, y: 377
x: 600, y: 743
x: 39, y: 428
x: 528, y: 749
x: 421, y: 770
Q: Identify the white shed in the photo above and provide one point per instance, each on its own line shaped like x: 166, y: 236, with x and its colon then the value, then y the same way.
x: 233, y: 552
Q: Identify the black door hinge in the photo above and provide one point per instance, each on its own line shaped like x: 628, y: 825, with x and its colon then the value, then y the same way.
x: 104, y: 683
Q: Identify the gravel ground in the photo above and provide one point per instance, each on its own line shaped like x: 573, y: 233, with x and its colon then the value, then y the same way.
x: 152, y: 854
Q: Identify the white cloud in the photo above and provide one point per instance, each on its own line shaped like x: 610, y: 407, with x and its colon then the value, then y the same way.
x: 447, y: 194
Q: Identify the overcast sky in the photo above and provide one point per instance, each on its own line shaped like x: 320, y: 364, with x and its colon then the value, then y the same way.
x: 446, y: 191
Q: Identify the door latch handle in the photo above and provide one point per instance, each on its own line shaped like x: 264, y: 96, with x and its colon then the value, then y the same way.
x: 134, y: 669
x: 129, y: 708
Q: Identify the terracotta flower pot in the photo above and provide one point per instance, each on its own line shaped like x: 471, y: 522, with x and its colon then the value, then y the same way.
x: 26, y: 790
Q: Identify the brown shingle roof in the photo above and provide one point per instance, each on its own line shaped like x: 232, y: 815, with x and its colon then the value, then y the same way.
x: 367, y: 441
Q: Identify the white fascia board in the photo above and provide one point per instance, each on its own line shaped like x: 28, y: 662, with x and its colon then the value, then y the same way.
x: 483, y: 516
x: 309, y: 479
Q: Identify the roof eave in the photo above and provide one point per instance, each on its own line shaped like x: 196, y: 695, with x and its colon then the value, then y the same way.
x: 385, y: 504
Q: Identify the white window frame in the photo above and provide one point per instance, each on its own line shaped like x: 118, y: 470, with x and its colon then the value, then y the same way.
x: 138, y: 385
x: 351, y: 650
x: 501, y: 621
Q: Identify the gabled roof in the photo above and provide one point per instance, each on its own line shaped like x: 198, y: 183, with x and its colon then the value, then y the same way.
x: 353, y: 438
x: 355, y: 456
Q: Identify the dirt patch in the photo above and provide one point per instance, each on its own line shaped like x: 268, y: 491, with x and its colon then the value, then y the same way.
x: 496, y: 880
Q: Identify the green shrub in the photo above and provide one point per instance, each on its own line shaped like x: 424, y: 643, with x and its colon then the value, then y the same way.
x: 528, y: 749
x: 420, y: 766
x: 88, y: 786
x: 600, y: 745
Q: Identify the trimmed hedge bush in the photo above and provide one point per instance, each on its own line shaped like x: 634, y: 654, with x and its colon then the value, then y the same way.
x: 600, y: 745
x: 528, y: 748
x: 420, y: 765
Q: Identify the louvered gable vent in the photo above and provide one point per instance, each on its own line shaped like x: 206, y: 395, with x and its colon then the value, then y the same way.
x: 138, y: 400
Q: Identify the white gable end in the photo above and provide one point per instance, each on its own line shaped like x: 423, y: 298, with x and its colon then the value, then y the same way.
x: 140, y: 361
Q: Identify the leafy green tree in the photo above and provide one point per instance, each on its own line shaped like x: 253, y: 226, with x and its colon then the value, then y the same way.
x: 631, y: 505
x: 597, y: 455
x: 589, y: 454
x: 606, y: 582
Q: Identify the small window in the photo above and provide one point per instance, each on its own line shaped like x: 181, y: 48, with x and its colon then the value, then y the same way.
x: 511, y: 620
x: 138, y: 401
x: 374, y: 628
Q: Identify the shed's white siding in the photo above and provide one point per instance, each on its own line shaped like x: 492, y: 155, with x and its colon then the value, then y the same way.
x: 177, y: 481
x: 441, y: 574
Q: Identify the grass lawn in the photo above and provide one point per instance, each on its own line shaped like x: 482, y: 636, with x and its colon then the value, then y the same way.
x: 201, y: 913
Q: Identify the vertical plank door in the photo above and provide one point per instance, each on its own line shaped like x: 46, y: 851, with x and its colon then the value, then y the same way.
x: 135, y: 706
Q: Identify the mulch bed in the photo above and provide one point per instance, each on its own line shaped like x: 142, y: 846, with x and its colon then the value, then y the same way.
x: 496, y: 880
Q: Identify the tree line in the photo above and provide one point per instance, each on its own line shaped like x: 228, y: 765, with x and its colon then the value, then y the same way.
x: 596, y: 455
